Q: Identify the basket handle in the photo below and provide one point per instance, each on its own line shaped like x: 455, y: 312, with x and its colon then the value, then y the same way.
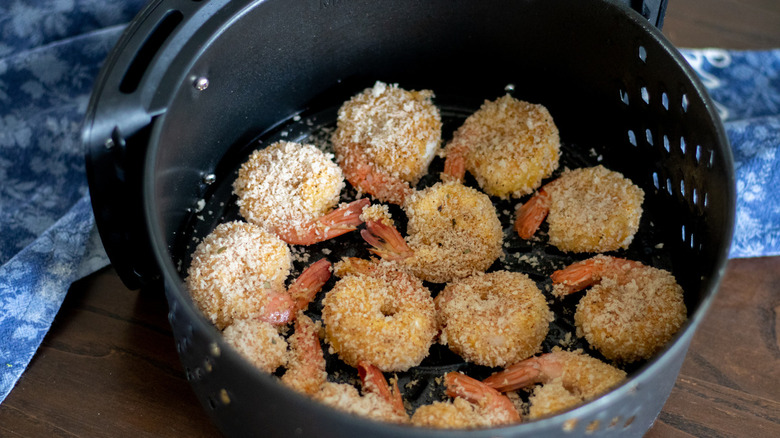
x: 652, y: 10
x: 128, y: 96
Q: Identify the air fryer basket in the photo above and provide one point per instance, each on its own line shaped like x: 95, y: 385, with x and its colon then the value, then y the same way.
x: 193, y: 87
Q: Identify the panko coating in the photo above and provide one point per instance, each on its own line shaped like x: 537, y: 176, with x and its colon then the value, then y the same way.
x: 305, y: 365
x: 590, y: 209
x: 259, y: 342
x: 453, y: 231
x: 508, y: 145
x: 346, y: 398
x: 631, y: 310
x: 290, y: 189
x: 383, y: 315
x: 235, y: 271
x: 493, y: 319
x: 385, y: 139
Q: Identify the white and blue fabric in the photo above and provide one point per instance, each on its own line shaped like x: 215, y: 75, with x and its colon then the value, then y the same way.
x: 50, y: 54
x: 746, y: 89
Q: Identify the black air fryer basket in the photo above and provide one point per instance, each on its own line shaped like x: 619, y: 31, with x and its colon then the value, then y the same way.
x: 194, y: 86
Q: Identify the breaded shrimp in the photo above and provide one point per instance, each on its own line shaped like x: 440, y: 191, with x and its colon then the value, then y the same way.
x: 508, y: 145
x: 306, y: 364
x: 239, y: 271
x: 346, y: 397
x: 380, y: 400
x: 453, y: 231
x: 590, y: 210
x: 493, y: 319
x: 374, y: 382
x: 259, y: 342
x: 475, y: 405
x: 630, y: 312
x: 568, y: 378
x: 290, y: 189
x: 385, y: 140
x: 379, y: 313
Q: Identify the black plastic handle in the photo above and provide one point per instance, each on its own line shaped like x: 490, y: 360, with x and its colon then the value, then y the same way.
x: 652, y: 10
x: 129, y: 93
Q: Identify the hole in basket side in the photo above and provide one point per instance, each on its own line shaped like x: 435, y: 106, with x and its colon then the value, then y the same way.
x: 642, y: 53
x: 632, y: 137
x: 143, y: 58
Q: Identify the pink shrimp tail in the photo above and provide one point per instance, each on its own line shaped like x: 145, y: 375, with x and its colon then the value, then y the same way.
x: 374, y: 381
x: 539, y: 369
x: 577, y: 276
x: 339, y: 221
x: 386, y: 241
x: 345, y: 218
x: 531, y: 214
x: 455, y: 164
x: 580, y: 275
x: 362, y: 173
x: 278, y: 310
x: 461, y: 385
x: 306, y: 370
x: 519, y: 375
x: 309, y: 283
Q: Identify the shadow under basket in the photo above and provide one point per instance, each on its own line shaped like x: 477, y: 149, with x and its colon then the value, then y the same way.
x: 193, y: 87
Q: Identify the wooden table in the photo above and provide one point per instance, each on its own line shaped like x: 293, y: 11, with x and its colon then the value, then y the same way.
x: 109, y: 367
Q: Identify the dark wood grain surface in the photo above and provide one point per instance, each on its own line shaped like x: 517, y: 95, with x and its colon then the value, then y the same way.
x: 108, y: 367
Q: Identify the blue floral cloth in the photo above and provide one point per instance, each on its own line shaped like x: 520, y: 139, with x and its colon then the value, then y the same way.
x: 50, y: 53
x: 746, y: 89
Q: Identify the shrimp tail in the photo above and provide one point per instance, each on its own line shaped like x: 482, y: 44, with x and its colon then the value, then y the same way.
x: 361, y: 173
x: 531, y: 214
x: 480, y: 394
x: 374, y: 382
x: 309, y: 283
x: 345, y: 218
x: 455, y: 164
x: 306, y: 369
x: 339, y: 221
x: 278, y: 310
x: 519, y: 375
x: 576, y: 277
x: 580, y: 275
x: 386, y: 241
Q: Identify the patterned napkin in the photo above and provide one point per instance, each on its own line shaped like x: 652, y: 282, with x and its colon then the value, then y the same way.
x: 50, y: 53
x: 746, y: 89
